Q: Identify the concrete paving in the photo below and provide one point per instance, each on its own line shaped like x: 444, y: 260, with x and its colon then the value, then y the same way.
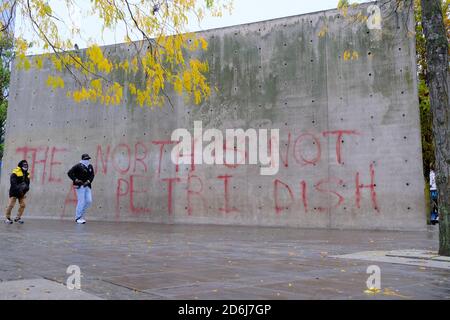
x: 409, y: 257
x: 153, y: 261
x: 40, y: 289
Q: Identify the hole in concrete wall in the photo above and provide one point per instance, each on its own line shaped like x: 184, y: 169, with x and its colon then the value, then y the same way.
x: 373, y: 139
x: 403, y: 92
x: 403, y: 115
x: 312, y: 101
x: 399, y: 49
x: 371, y: 95
x: 369, y: 53
x: 370, y: 74
x: 404, y: 137
x: 285, y: 44
x: 313, y: 121
x: 407, y: 184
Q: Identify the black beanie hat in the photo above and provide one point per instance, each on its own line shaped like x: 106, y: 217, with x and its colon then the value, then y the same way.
x: 21, y: 163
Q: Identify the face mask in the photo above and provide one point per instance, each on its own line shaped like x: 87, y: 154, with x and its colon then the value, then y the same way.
x: 85, y: 162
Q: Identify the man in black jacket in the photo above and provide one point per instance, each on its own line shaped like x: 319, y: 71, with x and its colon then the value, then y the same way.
x: 82, y: 175
x: 20, y: 184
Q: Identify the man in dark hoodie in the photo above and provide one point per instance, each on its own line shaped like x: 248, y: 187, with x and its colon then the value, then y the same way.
x: 20, y: 185
x: 82, y: 175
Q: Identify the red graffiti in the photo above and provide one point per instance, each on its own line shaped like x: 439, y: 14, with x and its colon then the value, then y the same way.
x: 170, y: 184
x: 191, y: 192
x: 120, y: 193
x: 371, y: 186
x: 319, y: 188
x: 285, y: 161
x: 299, y: 158
x: 54, y: 163
x: 339, y: 134
x: 278, y: 206
x: 304, y: 195
x: 127, y: 158
x: 161, y: 150
x: 140, y: 159
x: 133, y: 191
x: 103, y: 159
x: 71, y: 198
x: 226, y: 208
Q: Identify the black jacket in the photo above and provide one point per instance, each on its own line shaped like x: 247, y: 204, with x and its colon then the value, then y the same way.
x: 20, y: 183
x: 82, y: 173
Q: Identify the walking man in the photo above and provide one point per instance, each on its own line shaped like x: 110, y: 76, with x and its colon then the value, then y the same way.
x: 20, y: 185
x: 82, y: 175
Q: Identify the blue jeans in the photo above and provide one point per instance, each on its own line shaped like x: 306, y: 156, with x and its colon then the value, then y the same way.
x: 84, y: 196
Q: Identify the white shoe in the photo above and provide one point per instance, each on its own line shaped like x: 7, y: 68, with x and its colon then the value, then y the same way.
x: 81, y: 221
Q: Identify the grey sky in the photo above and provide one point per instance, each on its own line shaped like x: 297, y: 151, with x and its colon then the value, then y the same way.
x: 244, y: 11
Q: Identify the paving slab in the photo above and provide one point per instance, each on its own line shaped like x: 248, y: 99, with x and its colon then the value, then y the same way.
x: 40, y: 289
x: 407, y: 257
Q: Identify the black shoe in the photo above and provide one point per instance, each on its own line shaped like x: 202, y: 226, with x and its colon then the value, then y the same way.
x: 18, y: 220
x: 8, y: 221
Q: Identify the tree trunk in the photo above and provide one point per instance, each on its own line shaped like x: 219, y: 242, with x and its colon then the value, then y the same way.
x: 437, y: 60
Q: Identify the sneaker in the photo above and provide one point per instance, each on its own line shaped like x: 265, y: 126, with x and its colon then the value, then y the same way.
x: 18, y: 220
x: 81, y: 221
x: 8, y: 221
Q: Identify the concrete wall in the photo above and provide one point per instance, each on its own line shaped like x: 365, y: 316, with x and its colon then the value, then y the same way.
x: 312, y: 76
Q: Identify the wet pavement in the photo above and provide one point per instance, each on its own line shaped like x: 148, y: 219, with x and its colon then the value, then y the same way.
x: 151, y: 261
